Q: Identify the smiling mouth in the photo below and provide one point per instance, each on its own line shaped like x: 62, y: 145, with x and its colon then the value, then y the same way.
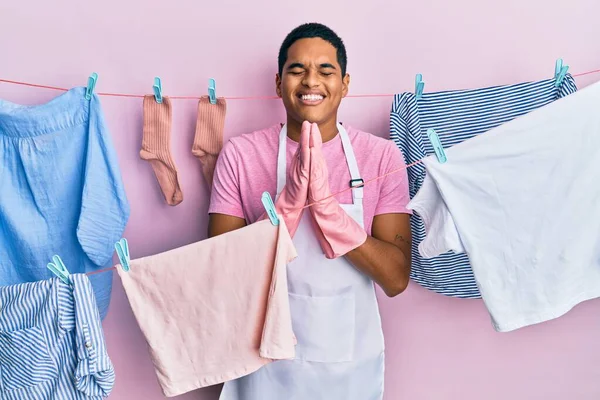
x: 311, y: 99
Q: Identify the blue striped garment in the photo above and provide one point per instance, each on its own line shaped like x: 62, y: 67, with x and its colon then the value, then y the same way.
x: 457, y: 116
x: 51, y: 342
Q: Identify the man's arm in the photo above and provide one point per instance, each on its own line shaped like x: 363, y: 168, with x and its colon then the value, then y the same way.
x: 222, y: 223
x: 385, y: 256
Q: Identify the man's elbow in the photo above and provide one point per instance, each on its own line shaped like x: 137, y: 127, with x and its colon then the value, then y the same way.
x: 396, y: 287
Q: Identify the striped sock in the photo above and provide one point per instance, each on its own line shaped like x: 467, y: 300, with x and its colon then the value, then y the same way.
x: 156, y: 147
x: 208, y: 140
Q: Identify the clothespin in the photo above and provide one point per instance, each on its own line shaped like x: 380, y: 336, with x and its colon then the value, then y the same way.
x: 212, y: 91
x: 91, y: 85
x: 59, y: 269
x: 270, y: 208
x: 560, y: 71
x: 122, y: 249
x: 419, y: 86
x: 157, y: 88
x: 437, y: 145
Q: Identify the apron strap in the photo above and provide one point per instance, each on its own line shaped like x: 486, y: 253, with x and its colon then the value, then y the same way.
x: 281, y: 161
x: 355, y: 179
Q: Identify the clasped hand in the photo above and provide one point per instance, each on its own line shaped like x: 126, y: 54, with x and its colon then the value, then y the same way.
x: 308, y: 181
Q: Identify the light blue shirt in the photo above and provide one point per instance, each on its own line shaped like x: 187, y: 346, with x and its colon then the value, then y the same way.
x: 60, y: 191
x: 51, y: 342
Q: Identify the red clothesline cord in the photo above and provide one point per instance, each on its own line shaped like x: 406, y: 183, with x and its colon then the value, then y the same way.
x: 313, y: 203
x: 249, y: 98
x: 226, y: 98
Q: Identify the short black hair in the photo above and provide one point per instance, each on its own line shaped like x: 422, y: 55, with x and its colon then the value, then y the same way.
x: 313, y: 30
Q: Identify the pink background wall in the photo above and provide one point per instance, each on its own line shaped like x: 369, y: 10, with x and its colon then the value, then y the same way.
x: 437, y: 347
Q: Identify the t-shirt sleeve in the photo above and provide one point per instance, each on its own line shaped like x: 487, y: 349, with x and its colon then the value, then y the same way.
x: 225, y: 197
x: 441, y: 234
x: 394, y: 195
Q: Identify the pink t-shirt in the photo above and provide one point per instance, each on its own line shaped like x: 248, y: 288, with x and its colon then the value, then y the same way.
x: 247, y: 166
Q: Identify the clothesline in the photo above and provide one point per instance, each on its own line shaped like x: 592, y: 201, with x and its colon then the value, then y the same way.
x: 318, y: 201
x: 140, y: 96
x: 251, y: 98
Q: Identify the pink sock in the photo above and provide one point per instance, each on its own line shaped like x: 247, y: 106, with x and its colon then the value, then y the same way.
x: 208, y: 140
x: 156, y: 147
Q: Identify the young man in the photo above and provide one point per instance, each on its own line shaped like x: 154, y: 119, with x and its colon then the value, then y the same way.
x: 344, y: 243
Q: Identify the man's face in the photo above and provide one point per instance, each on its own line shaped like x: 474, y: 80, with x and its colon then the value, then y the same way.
x: 311, y: 84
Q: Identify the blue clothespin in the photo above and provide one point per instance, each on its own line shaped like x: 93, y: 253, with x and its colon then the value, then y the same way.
x: 157, y: 88
x: 59, y: 269
x: 560, y: 71
x: 122, y: 249
x: 212, y: 91
x: 270, y: 208
x: 437, y: 145
x: 419, y: 86
x: 91, y: 85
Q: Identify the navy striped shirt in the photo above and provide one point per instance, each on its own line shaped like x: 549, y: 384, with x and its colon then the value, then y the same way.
x: 51, y: 342
x: 457, y: 116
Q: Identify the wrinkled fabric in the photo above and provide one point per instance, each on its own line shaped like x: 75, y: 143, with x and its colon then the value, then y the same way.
x: 61, y: 191
x: 523, y: 201
x: 51, y: 342
x: 215, y: 310
x: 457, y: 115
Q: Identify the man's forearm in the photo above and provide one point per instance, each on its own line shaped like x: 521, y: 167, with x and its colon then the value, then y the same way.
x: 384, y: 262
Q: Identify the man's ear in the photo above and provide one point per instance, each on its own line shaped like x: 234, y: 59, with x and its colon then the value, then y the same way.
x: 345, y: 84
x: 278, y: 85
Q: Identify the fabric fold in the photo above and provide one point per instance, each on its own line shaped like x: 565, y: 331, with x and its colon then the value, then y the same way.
x: 217, y: 309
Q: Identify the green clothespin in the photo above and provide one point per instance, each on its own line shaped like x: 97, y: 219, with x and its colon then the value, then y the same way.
x: 59, y: 269
x: 157, y: 88
x: 270, y: 208
x: 91, y: 85
x: 212, y: 91
x: 560, y: 71
x: 122, y: 249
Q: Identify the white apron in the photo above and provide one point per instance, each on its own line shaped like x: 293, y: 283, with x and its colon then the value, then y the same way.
x: 335, y: 316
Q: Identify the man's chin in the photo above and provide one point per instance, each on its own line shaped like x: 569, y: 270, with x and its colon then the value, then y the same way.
x: 312, y: 118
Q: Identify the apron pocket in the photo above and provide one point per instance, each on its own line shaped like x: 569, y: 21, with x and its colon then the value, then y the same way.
x: 24, y: 359
x: 324, y: 326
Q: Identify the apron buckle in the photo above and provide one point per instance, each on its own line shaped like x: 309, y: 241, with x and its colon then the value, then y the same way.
x: 354, y: 185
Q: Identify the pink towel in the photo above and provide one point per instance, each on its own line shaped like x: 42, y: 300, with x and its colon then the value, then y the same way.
x: 215, y: 310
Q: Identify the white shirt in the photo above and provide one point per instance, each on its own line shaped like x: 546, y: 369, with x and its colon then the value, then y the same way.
x: 523, y: 201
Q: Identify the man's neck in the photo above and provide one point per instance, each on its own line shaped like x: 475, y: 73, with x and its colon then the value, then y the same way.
x: 328, y: 130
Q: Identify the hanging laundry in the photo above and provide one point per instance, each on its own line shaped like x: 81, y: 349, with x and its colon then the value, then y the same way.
x: 524, y: 199
x: 156, y: 147
x: 208, y: 140
x: 457, y: 116
x: 61, y: 189
x: 51, y: 342
x: 215, y: 310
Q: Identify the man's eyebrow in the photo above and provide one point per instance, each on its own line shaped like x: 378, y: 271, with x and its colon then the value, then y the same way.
x: 295, y: 65
x: 327, y: 65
